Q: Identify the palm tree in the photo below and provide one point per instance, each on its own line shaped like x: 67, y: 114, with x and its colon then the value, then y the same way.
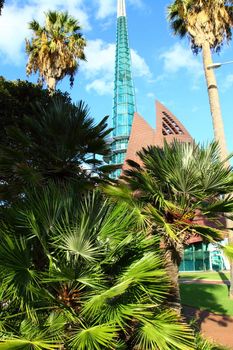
x: 59, y: 142
x: 207, y: 23
x: 78, y: 274
x: 171, y: 191
x: 55, y: 49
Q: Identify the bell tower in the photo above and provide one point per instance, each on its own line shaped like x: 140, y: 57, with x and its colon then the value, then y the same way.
x: 124, y: 105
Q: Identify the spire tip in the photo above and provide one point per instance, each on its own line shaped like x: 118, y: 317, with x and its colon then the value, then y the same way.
x: 121, y: 8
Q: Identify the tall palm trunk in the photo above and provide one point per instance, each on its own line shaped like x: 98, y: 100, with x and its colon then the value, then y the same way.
x: 218, y: 125
x: 172, y: 257
x: 215, y: 107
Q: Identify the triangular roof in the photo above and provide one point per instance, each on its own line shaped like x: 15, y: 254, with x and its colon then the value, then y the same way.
x: 168, y: 128
x: 142, y: 135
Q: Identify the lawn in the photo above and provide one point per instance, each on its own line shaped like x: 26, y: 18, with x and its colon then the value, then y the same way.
x: 216, y: 276
x: 209, y: 297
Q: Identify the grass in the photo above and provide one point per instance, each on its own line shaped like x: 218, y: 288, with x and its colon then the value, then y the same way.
x: 213, y: 298
x: 216, y: 276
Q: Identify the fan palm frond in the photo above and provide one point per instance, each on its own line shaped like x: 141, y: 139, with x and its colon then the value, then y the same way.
x: 95, y: 337
x: 35, y: 336
x: 100, y: 295
x: 177, y: 335
x: 19, y: 278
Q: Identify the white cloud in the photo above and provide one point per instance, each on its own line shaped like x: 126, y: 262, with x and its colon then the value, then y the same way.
x: 106, y: 8
x: 140, y: 67
x: 179, y: 57
x: 109, y: 7
x: 100, y: 64
x: 15, y: 18
x: 99, y: 68
x: 101, y: 86
x: 100, y: 57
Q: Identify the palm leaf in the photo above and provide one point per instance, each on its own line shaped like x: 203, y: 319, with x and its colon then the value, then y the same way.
x: 228, y: 251
x: 34, y: 336
x: 73, y: 244
x: 19, y: 280
x: 159, y: 220
x: 208, y: 233
x: 98, y: 337
x: 164, y: 332
x: 94, y: 305
x: 20, y: 344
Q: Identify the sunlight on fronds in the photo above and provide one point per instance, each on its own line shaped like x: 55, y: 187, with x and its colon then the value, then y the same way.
x: 228, y: 251
x: 55, y: 48
x: 97, y: 279
x: 214, y: 20
x: 97, y: 302
x: 94, y: 338
x: 176, y: 335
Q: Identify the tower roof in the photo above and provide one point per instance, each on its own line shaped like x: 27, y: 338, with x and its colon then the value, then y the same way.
x: 168, y: 128
x: 121, y: 9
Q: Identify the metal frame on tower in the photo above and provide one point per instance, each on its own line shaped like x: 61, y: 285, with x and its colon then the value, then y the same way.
x: 124, y: 105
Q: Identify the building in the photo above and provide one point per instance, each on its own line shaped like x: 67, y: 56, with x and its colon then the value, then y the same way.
x: 131, y: 132
x: 124, y: 105
x: 168, y: 128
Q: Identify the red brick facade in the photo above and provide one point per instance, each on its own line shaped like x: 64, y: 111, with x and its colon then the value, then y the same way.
x: 168, y: 128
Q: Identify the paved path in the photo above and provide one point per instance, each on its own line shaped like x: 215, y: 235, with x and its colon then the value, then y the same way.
x: 218, y: 328
x: 202, y: 281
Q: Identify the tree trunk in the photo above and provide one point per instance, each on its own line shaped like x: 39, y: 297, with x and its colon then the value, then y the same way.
x: 172, y: 263
x: 215, y: 107
x: 218, y: 126
x: 51, y: 82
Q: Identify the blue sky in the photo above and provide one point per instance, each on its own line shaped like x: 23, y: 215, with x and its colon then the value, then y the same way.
x: 164, y: 67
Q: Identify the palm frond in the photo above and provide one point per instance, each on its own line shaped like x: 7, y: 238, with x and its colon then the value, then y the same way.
x: 209, y: 233
x: 228, y: 251
x: 36, y: 336
x: 175, y: 335
x: 94, y: 338
x: 96, y: 303
x: 19, y: 279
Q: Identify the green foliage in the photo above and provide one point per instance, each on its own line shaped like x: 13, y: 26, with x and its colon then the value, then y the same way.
x: 96, y: 337
x: 176, y: 194
x: 207, y: 275
x: 228, y: 251
x: 56, y: 48
x: 211, y: 297
x: 202, y: 21
x: 33, y: 335
x: 66, y: 281
x: 175, y: 186
x: 149, y: 334
x: 46, y: 138
x: 17, y: 99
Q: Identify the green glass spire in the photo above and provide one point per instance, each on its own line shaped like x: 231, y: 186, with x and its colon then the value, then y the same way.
x: 124, y: 96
